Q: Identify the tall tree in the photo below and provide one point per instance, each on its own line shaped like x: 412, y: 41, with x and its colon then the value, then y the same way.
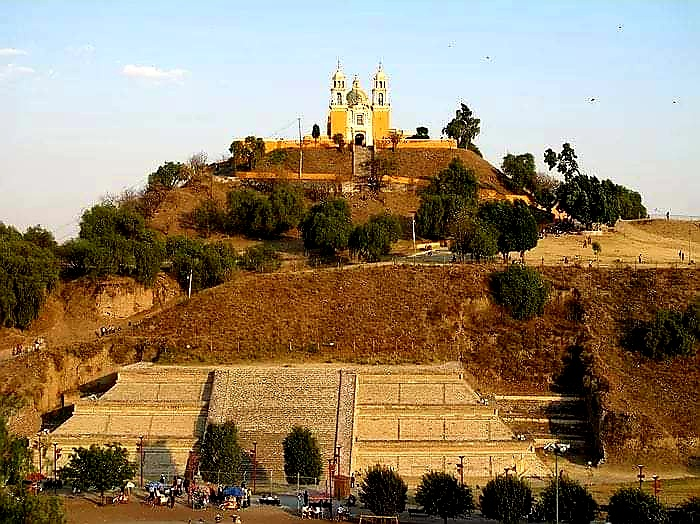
x: 316, y: 133
x: 168, y: 176
x: 515, y: 223
x: 221, y: 457
x: 440, y: 494
x: 383, y: 491
x: 520, y: 170
x: 302, y: 455
x: 421, y: 133
x: 464, y: 127
x: 374, y: 238
x: 99, y: 467
x: 472, y: 236
x: 506, y: 498
x: 237, y: 150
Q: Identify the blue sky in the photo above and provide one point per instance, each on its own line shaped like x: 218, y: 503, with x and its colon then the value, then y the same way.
x: 94, y: 95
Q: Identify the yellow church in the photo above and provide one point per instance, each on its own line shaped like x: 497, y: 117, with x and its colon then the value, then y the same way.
x: 362, y: 121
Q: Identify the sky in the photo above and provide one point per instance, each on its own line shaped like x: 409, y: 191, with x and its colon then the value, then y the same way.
x: 94, y: 95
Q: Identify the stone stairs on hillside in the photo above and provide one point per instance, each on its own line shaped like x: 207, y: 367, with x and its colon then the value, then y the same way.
x: 266, y: 402
x: 361, y: 170
x: 548, y: 418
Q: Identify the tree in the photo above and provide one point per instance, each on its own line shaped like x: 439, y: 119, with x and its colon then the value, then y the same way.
x: 40, y: 237
x: 576, y: 504
x: 464, y: 127
x: 521, y: 290
x: 250, y: 213
x: 670, y: 333
x: 221, y: 458
x: 253, y: 150
x: 339, y: 140
x: 19, y: 507
x: 566, y: 161
x: 114, y: 241
x: 506, y: 498
x: 197, y: 164
x: 210, y: 264
x: 472, y: 236
x: 327, y: 226
x: 451, y: 190
x: 383, y: 491
x: 168, y: 176
x: 15, y: 457
x: 440, y: 494
x: 520, y: 170
x: 515, y: 223
x: 633, y: 506
x: 28, y: 273
x: 421, y: 133
x: 209, y: 217
x: 302, y: 455
x: 99, y: 467
x: 316, y: 133
x: 395, y: 138
x: 688, y: 512
x: 288, y: 208
x: 374, y: 238
x: 237, y: 154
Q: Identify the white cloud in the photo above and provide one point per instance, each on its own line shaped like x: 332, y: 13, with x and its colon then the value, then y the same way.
x: 153, y: 73
x: 11, y: 70
x: 11, y: 51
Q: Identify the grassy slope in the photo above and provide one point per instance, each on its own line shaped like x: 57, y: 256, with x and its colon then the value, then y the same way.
x: 425, y: 314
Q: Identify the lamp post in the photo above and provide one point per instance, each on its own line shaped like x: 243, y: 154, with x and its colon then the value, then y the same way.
x: 640, y: 476
x: 139, y: 445
x: 331, y: 469
x: 55, y: 456
x: 558, y: 448
x: 460, y: 467
x: 336, y: 458
x: 656, y: 487
x: 255, y: 464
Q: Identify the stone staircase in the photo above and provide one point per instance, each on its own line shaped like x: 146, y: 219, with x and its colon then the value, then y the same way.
x: 547, y: 418
x: 166, y: 406
x: 266, y: 402
x: 360, y: 169
x: 416, y: 423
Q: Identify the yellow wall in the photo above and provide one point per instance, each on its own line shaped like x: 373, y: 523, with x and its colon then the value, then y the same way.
x: 380, y: 124
x: 338, y: 119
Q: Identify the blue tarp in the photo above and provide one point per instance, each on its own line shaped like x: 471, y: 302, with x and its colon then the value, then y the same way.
x: 233, y: 491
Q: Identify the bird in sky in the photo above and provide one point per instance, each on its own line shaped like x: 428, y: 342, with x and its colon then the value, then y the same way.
x: 619, y: 28
x: 675, y: 101
x: 592, y: 99
x: 452, y: 44
x: 487, y: 57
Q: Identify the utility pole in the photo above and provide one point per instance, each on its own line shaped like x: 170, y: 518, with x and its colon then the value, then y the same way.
x: 301, y: 149
x: 331, y: 469
x: 413, y: 224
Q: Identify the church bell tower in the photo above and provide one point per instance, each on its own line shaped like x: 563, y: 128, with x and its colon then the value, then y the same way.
x: 338, y: 107
x: 381, y: 108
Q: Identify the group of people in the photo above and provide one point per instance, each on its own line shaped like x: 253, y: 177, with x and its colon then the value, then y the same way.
x: 107, y: 330
x: 19, y: 349
x: 160, y: 493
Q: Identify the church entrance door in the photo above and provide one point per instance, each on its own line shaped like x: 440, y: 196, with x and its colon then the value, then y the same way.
x: 359, y: 139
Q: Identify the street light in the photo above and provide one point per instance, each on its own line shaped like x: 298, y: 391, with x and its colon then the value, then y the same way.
x: 558, y: 448
x: 641, y: 475
x: 657, y: 486
x: 460, y: 467
x: 255, y: 464
x: 139, y: 445
x: 55, y: 456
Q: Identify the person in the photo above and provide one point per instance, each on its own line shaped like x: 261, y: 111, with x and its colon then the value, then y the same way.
x: 306, y: 498
x: 162, y: 479
x: 640, y: 258
x: 668, y: 215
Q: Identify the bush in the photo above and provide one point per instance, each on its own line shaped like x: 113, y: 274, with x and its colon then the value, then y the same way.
x: 669, y: 334
x: 210, y: 264
x: 687, y: 513
x: 383, y: 491
x: 209, y: 217
x: 253, y: 214
x: 374, y: 238
x: 440, y: 494
x: 168, y: 176
x: 576, y: 504
x: 263, y: 259
x: 632, y: 506
x: 327, y: 226
x: 506, y: 498
x: 521, y: 290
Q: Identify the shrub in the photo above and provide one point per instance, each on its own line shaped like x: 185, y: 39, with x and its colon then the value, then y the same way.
x: 669, y: 334
x: 260, y: 258
x: 210, y: 264
x: 374, y: 238
x: 208, y: 217
x: 506, y: 498
x: 632, y: 506
x: 327, y: 226
x: 576, y: 504
x: 440, y: 494
x: 521, y: 290
x: 383, y: 491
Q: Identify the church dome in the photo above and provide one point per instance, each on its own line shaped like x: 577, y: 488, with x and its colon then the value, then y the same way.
x: 356, y: 95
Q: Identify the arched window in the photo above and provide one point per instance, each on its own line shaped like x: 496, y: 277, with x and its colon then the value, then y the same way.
x: 340, y: 98
x: 381, y: 99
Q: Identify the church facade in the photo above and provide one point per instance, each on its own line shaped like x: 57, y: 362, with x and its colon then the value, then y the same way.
x: 362, y: 120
